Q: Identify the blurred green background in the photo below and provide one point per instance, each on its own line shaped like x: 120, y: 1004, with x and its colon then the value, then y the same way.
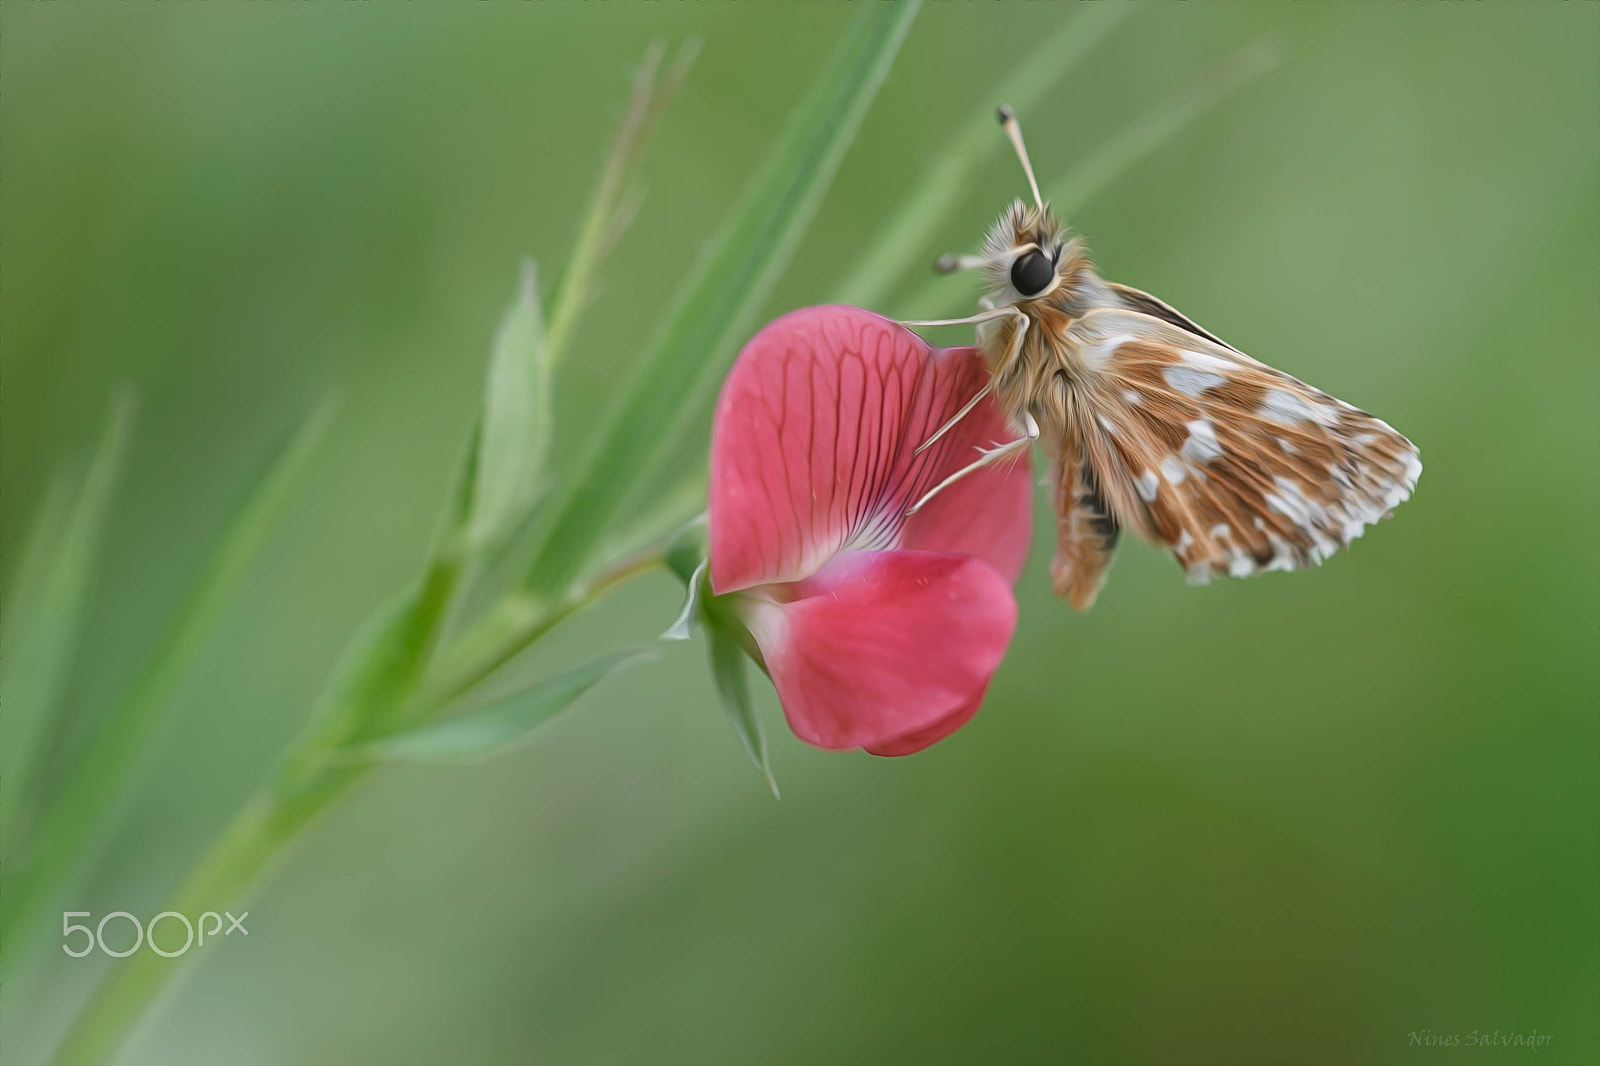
x: 1289, y: 820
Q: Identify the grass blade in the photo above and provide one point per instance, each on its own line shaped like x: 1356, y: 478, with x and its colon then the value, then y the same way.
x: 513, y: 440
x: 44, y: 617
x: 901, y: 241
x: 615, y: 198
x: 720, y: 298
x: 500, y: 725
x: 1131, y: 145
x: 85, y: 809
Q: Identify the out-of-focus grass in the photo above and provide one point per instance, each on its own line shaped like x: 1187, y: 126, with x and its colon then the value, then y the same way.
x: 84, y: 809
x: 45, y: 611
x: 1290, y: 819
x: 403, y: 668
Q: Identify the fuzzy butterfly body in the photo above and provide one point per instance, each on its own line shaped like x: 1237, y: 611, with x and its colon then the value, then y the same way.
x: 1154, y: 424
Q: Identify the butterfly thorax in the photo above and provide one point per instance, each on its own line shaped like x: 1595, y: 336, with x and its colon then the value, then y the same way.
x: 1045, y: 371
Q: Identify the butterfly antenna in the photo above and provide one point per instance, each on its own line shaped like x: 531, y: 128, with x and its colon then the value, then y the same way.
x: 1008, y: 122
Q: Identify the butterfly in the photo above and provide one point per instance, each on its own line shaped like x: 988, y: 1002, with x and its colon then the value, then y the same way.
x: 1157, y: 425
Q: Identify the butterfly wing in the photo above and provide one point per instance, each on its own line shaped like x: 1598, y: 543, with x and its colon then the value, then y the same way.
x: 1236, y: 467
x: 1135, y: 300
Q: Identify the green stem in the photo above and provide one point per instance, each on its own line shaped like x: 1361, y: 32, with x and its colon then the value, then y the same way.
x: 506, y: 630
x: 571, y: 294
x: 311, y: 777
x: 614, y: 203
x: 241, y: 855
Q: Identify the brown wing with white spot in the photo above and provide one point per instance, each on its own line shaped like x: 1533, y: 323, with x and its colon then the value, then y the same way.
x: 1235, y: 466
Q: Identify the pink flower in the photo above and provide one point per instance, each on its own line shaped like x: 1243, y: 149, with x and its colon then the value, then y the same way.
x: 879, y: 631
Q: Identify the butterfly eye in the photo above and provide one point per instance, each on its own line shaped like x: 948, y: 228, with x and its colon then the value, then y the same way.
x: 1032, y: 273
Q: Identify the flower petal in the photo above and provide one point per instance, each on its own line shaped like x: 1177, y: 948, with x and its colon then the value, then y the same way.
x: 916, y: 740
x: 813, y: 451
x: 879, y: 649
x: 988, y: 513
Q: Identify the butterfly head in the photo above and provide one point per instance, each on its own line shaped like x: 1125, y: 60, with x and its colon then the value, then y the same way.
x: 1028, y: 255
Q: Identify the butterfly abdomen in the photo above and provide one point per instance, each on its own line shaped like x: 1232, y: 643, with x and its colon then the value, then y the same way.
x: 1086, y: 529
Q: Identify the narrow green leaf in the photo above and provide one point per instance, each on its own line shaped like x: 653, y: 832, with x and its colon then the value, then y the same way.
x: 85, y: 808
x: 722, y: 295
x: 902, y: 241
x: 726, y: 640
x: 514, y: 434
x: 729, y: 670
x: 618, y: 193
x: 44, y: 618
x: 1131, y: 144
x: 500, y: 725
x: 384, y: 658
x: 382, y: 664
x: 464, y: 488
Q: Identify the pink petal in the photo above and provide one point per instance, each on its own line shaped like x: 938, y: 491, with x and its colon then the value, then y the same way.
x: 812, y: 451
x: 881, y: 649
x: 988, y: 513
x: 915, y: 741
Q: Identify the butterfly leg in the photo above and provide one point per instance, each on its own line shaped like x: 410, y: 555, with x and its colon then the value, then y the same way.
x: 989, y: 457
x: 1011, y: 354
x: 959, y: 415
